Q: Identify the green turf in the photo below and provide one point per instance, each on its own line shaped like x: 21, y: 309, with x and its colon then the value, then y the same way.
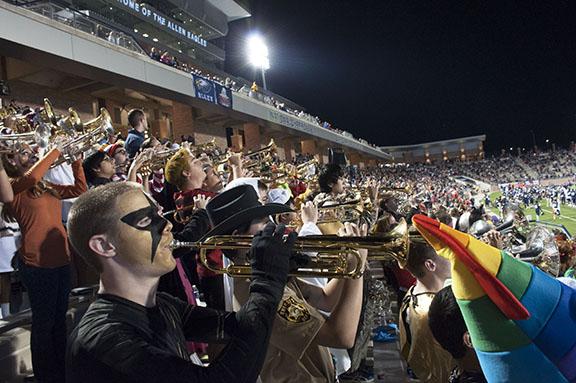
x: 568, y: 214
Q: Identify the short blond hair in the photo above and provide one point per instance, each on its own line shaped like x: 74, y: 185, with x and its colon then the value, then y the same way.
x: 178, y: 163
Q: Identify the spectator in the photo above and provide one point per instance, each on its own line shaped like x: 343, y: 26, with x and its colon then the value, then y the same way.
x: 136, y: 135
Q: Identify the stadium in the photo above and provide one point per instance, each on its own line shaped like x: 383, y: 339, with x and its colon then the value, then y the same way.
x: 108, y: 105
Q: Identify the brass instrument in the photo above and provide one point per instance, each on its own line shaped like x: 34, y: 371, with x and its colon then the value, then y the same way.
x: 302, y: 169
x: 255, y: 159
x: 252, y: 160
x: 18, y: 123
x: 263, y: 152
x: 353, y: 206
x: 207, y: 147
x: 47, y: 114
x: 349, y: 211
x: 531, y: 243
x: 7, y: 112
x: 157, y: 160
x: 94, y: 130
x: 330, y: 259
x: 40, y: 136
x: 70, y: 124
x: 542, y: 251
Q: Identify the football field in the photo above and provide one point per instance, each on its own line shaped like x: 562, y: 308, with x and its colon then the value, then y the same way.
x: 567, y: 216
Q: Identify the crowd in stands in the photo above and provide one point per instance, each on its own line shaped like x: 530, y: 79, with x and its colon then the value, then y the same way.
x: 502, y: 169
x: 252, y: 91
x: 551, y: 164
x: 204, y: 201
x: 471, y: 308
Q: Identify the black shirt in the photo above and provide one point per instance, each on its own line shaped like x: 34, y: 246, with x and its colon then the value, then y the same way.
x: 118, y: 340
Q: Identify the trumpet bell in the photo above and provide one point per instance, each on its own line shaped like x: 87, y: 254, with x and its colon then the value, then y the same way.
x: 102, y: 123
x: 265, y: 151
x: 94, y: 131
x: 71, y: 124
x: 47, y: 114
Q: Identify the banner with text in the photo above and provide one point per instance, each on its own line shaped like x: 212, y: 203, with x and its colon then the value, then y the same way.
x: 160, y: 20
x: 210, y: 91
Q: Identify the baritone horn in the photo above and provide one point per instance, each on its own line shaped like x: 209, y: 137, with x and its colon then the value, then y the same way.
x: 94, y: 131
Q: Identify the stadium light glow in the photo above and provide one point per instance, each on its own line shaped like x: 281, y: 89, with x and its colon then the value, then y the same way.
x: 257, y: 53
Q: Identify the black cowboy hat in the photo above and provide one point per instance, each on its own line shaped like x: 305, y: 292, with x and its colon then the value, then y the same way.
x: 236, y: 207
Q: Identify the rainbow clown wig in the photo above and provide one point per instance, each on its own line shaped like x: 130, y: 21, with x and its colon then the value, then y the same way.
x: 521, y: 320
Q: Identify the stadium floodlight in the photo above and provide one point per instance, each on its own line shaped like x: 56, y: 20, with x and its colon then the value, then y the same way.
x: 258, y: 55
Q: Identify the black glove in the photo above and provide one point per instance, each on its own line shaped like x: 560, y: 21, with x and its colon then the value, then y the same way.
x: 270, y: 253
x: 298, y: 260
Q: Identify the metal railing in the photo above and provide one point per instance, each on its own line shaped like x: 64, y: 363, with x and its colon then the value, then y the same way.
x: 85, y: 23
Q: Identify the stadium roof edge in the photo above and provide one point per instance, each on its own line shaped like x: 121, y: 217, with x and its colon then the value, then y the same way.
x: 481, y: 137
x: 232, y: 9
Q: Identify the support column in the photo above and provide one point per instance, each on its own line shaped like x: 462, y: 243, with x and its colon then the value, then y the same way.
x: 289, y: 151
x: 353, y: 157
x: 252, y: 136
x: 309, y: 147
x: 322, y: 153
x: 159, y: 126
x: 182, y: 120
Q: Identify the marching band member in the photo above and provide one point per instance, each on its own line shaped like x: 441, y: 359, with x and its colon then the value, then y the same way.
x: 187, y: 173
x: 301, y: 334
x: 131, y: 333
x: 424, y: 355
x: 44, y: 258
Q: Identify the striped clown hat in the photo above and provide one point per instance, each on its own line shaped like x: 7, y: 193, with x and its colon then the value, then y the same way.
x: 521, y: 320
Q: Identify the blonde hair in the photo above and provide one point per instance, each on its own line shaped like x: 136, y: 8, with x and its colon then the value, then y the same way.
x: 178, y: 163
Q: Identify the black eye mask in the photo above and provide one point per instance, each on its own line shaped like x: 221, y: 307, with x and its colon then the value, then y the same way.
x: 155, y: 227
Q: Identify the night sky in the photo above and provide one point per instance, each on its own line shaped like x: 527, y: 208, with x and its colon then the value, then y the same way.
x: 403, y: 72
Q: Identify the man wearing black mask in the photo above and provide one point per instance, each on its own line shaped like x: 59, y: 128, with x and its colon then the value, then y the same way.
x: 133, y: 334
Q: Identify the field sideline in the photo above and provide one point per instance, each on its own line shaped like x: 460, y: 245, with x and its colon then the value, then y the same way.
x: 567, y: 217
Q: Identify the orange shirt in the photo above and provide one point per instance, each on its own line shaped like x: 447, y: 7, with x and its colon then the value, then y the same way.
x: 44, y: 239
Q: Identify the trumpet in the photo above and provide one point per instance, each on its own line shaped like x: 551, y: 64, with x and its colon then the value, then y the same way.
x: 302, y: 170
x: 335, y: 257
x: 331, y: 259
x: 207, y: 147
x: 47, y: 114
x: 156, y: 160
x: 264, y: 152
x: 250, y: 157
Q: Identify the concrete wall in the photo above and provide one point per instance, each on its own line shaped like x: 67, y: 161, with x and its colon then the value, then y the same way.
x: 73, y: 51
